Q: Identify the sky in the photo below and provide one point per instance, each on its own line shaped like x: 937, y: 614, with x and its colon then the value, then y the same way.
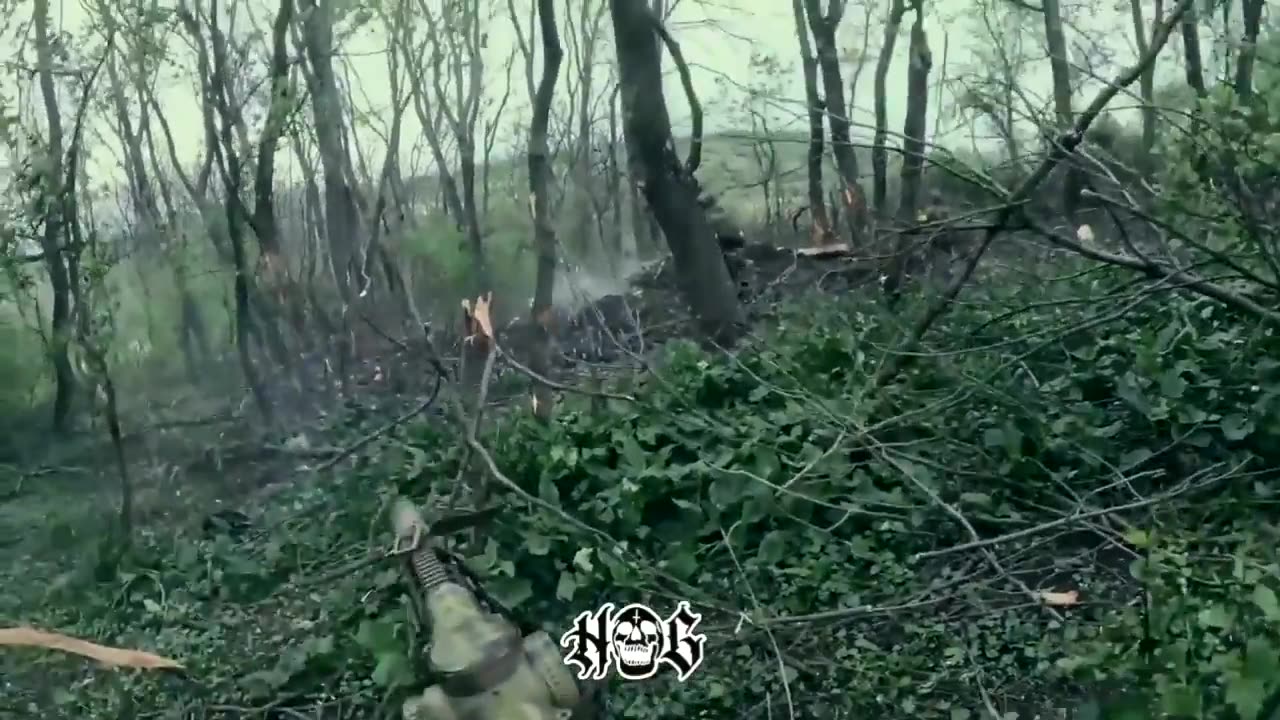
x: 718, y: 38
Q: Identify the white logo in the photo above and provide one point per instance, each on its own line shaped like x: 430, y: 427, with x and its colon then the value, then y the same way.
x: 635, y: 641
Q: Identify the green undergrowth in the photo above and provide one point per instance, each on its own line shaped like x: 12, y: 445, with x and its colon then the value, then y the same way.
x: 1119, y: 442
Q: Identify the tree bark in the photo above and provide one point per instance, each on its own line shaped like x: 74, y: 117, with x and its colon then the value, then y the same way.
x: 461, y: 45
x: 427, y: 117
x: 51, y: 240
x: 824, y: 39
x: 589, y: 31
x: 614, y: 185
x: 671, y: 191
x: 231, y: 171
x: 879, y: 148
x: 1146, y: 84
x: 340, y: 205
x: 822, y: 231
x: 913, y: 144
x: 1060, y: 69
x: 913, y: 128
x: 1192, y: 60
x: 539, y: 189
x: 1252, y: 11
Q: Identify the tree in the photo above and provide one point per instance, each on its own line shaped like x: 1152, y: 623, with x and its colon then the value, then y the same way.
x: 913, y: 144
x: 823, y: 27
x: 822, y: 231
x: 1248, y: 53
x: 879, y: 147
x: 340, y: 204
x: 456, y: 40
x: 1146, y: 84
x: 54, y: 245
x: 668, y: 184
x: 539, y: 191
x: 1060, y: 70
x: 917, y: 117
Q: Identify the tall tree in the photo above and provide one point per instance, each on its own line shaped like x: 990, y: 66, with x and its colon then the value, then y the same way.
x: 916, y: 122
x: 1060, y: 70
x: 913, y: 144
x: 53, y: 237
x: 879, y: 145
x: 1146, y: 83
x: 539, y: 191
x: 1247, y: 57
x: 824, y: 27
x: 457, y: 63
x: 822, y: 231
x: 326, y: 104
x: 669, y: 186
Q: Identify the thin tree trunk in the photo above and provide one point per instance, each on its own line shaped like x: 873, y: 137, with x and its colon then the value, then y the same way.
x: 914, y: 127
x: 824, y: 39
x: 822, y: 230
x: 340, y: 206
x: 913, y: 144
x: 1252, y: 10
x: 670, y: 189
x: 539, y: 189
x: 1060, y: 69
x: 1192, y: 60
x: 60, y: 279
x: 1146, y: 83
x: 879, y: 148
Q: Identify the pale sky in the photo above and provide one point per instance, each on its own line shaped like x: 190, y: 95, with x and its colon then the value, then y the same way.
x: 717, y: 36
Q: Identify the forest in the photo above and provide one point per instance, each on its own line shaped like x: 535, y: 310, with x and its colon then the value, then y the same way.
x: 927, y: 350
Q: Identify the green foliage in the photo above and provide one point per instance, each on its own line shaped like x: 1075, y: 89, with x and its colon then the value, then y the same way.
x: 1204, y: 638
x: 757, y: 487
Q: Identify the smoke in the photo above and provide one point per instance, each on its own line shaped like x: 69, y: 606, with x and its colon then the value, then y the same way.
x: 578, y: 287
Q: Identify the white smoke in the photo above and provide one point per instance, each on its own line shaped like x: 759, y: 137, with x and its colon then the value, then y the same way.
x: 578, y: 287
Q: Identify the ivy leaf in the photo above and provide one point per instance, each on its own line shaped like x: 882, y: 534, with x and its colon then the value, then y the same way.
x: 1236, y: 427
x: 567, y: 586
x: 1246, y: 694
x: 1137, y: 538
x: 377, y: 636
x: 993, y: 437
x: 511, y: 591
x: 582, y: 559
x: 725, y: 492
x: 682, y: 564
x: 1127, y: 389
x: 1215, y: 616
x: 1266, y: 600
x: 392, y: 670
x: 1180, y: 701
x: 417, y: 461
x: 537, y: 544
x: 1261, y: 659
x: 548, y: 491
x: 773, y: 547
x: 631, y: 452
x: 1172, y: 385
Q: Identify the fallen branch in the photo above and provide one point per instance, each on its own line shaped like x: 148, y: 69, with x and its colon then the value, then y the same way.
x: 363, y: 442
x: 1078, y: 516
x: 528, y: 372
x: 107, y: 656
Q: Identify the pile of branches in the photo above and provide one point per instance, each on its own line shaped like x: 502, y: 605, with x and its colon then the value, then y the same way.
x: 652, y: 312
